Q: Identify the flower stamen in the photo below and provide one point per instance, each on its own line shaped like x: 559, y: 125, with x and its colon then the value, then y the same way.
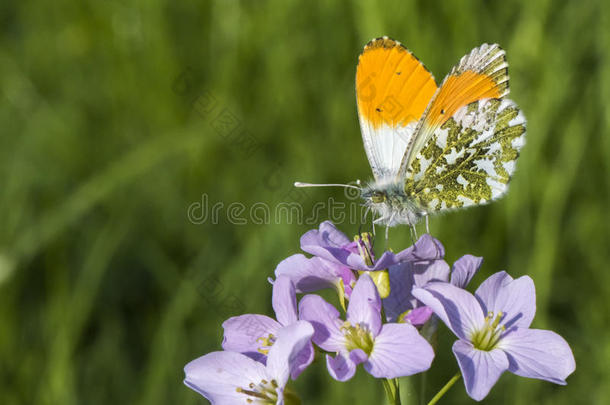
x: 265, y: 392
x: 358, y: 337
x: 266, y: 343
x: 365, y: 247
x: 488, y: 336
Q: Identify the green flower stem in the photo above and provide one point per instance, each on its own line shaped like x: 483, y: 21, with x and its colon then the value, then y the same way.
x: 422, y: 386
x: 445, y: 389
x: 392, y: 390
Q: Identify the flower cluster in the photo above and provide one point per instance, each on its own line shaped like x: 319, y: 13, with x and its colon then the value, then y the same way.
x: 387, y: 311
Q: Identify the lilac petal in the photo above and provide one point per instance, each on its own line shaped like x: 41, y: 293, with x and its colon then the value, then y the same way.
x: 327, y: 242
x: 365, y: 305
x: 480, y: 369
x: 284, y: 300
x: 241, y: 334
x: 349, y: 281
x: 291, y: 340
x: 325, y: 320
x: 343, y: 273
x: 457, y: 308
x: 428, y: 248
x: 326, y: 235
x: 309, y: 275
x: 342, y: 367
x: 425, y: 272
x: 285, y: 306
x: 302, y: 360
x: 464, y: 269
x: 399, y: 351
x: 400, y: 299
x: 515, y: 298
x: 386, y: 260
x: 217, y: 376
x: 418, y: 316
x: 405, y: 276
x: 536, y: 353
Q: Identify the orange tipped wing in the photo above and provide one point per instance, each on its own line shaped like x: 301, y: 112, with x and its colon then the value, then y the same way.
x: 393, y: 89
x: 482, y: 74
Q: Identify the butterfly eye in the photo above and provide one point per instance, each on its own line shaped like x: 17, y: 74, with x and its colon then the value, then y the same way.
x: 378, y: 197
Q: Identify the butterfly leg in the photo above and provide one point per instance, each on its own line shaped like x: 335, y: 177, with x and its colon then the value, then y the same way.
x: 387, y: 230
x: 413, y: 233
x: 376, y: 221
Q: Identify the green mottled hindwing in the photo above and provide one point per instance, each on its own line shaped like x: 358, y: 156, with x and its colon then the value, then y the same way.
x: 468, y: 160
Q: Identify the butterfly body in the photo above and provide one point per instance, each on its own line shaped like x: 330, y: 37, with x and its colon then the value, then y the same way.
x: 391, y: 204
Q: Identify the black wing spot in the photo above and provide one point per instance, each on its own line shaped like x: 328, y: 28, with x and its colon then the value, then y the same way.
x: 378, y: 109
x: 442, y: 111
x: 398, y: 73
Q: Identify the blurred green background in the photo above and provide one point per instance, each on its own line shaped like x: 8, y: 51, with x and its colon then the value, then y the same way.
x: 118, y: 116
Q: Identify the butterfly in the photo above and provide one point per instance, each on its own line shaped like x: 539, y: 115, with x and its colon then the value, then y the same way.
x: 434, y: 148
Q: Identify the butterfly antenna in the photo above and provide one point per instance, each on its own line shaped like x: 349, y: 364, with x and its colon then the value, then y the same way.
x: 427, y: 225
x: 300, y: 184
